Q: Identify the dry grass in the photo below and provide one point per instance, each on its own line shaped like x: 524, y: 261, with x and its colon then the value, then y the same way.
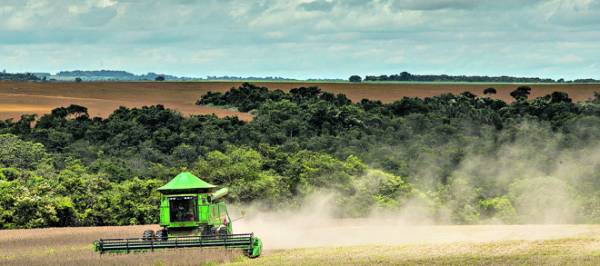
x: 73, y: 246
x: 102, y: 98
x: 569, y: 251
x: 454, y: 245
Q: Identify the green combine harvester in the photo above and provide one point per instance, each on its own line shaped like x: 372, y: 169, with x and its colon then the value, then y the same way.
x: 192, y: 214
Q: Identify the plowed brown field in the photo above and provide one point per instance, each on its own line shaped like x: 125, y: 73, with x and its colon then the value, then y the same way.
x: 102, y: 98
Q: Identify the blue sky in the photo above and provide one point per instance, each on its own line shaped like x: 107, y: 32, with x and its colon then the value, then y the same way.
x: 304, y: 38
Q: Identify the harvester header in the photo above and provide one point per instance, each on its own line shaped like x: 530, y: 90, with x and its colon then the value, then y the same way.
x: 192, y: 214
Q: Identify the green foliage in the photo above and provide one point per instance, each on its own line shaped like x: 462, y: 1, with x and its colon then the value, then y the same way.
x: 460, y: 158
x: 521, y: 93
x: 376, y: 190
x: 309, y: 171
x: 132, y: 202
x: 499, y: 208
x: 489, y: 91
x: 355, y: 78
x: 17, y: 153
x: 241, y: 169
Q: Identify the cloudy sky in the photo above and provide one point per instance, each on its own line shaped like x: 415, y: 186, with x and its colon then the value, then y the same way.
x: 304, y: 38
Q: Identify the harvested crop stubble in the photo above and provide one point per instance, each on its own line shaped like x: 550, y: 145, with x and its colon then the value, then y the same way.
x: 568, y: 251
x: 73, y: 246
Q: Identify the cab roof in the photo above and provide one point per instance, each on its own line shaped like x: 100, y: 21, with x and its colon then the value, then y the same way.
x: 185, y: 181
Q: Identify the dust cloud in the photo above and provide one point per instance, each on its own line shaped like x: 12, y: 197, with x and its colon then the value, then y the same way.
x: 313, y: 225
x: 547, y: 179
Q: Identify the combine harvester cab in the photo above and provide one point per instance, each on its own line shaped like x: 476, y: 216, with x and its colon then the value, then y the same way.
x: 192, y: 214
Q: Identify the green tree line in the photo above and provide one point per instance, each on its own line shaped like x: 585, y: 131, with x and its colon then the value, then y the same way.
x: 460, y: 158
x: 408, y: 77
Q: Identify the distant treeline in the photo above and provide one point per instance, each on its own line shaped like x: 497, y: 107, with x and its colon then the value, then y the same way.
x: 119, y: 75
x: 245, y: 78
x: 112, y: 75
x: 405, y: 76
x: 17, y: 76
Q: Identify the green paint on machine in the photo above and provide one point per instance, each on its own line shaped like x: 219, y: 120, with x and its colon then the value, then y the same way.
x: 186, y: 181
x: 192, y: 214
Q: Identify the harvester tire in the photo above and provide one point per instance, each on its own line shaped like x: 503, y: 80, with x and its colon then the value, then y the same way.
x: 148, y: 235
x: 222, y: 232
x: 209, y: 233
x: 161, y: 235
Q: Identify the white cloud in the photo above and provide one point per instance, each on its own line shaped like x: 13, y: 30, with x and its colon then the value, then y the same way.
x: 305, y: 37
x: 568, y: 59
x: 105, y: 3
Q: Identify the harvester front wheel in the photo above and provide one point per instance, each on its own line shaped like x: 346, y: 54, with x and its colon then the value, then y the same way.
x: 161, y: 234
x: 148, y: 235
x: 222, y: 232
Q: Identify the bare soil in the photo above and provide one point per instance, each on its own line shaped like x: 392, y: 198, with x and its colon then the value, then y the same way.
x: 102, y: 98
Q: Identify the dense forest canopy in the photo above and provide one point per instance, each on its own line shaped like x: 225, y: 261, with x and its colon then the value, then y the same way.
x: 454, y: 158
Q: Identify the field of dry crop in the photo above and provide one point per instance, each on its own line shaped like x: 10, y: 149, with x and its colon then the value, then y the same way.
x: 332, y: 244
x: 17, y: 98
x: 73, y: 246
x: 569, y: 251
